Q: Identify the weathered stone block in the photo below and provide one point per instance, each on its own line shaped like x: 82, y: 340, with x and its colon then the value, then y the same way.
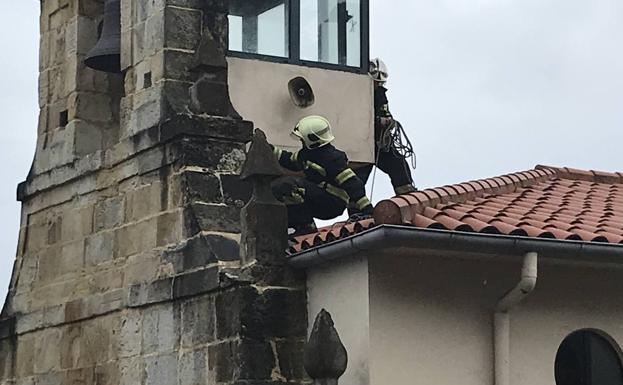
x: 70, y: 346
x: 170, y: 228
x: 235, y: 190
x: 228, y: 129
x: 202, y: 251
x: 47, y: 351
x: 53, y: 378
x: 198, y: 322
x: 197, y: 282
x: 99, y: 342
x: 201, y: 187
x: 88, y: 137
x: 208, y: 217
x: 182, y: 28
x: 136, y: 238
x: 107, y: 374
x: 279, y: 313
x: 161, y: 370
x: 25, y: 356
x: 83, y: 376
x: 93, y: 107
x: 283, y: 312
x: 192, y: 367
x: 148, y: 36
x: 99, y: 248
x: 109, y: 213
x: 290, y: 355
x: 217, y: 156
x: 221, y: 362
x: 55, y: 226
x: 48, y: 268
x: 7, y: 351
x: 177, y: 65
x: 143, y: 267
x: 131, y: 336
x: 160, y: 329
x: 254, y: 360
x: 231, y: 311
x: 79, y: 223
x: 143, y: 202
x: 132, y: 371
x: 152, y: 292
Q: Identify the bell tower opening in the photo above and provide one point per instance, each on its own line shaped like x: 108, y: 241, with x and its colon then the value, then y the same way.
x: 79, y: 106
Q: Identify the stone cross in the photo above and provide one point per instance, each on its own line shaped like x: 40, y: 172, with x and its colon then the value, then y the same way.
x: 325, y: 355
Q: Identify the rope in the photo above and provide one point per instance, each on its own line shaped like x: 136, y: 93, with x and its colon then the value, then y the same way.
x: 394, y: 139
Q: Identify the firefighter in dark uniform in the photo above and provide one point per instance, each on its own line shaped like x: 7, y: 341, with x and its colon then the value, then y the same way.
x: 387, y: 160
x: 329, y: 184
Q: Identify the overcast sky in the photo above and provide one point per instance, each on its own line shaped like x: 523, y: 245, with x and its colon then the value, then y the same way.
x: 484, y: 87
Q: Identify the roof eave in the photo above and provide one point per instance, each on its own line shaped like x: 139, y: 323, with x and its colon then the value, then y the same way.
x: 391, y: 236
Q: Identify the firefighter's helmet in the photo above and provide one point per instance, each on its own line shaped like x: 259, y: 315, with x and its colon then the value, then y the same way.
x: 378, y: 71
x: 314, y: 131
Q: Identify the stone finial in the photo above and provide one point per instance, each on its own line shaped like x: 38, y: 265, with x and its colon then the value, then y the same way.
x: 264, y: 218
x: 261, y: 161
x: 325, y: 355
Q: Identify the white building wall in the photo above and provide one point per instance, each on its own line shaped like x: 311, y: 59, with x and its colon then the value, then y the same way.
x: 431, y: 318
x: 342, y: 289
x: 259, y: 92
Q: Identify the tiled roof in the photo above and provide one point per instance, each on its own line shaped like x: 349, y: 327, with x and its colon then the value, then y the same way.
x: 547, y: 202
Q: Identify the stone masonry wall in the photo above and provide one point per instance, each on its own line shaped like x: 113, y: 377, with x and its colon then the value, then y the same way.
x: 128, y: 269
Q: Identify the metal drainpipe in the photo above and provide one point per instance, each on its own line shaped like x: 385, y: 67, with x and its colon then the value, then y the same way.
x: 501, y: 319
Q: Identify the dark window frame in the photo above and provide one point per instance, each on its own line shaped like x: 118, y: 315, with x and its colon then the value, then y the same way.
x: 293, y: 36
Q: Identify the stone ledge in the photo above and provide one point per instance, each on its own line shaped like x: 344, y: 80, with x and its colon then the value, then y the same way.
x: 164, y: 290
x: 210, y: 127
x: 207, y: 126
x: 181, y: 286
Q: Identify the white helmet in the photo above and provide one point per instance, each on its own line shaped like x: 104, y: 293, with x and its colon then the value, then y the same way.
x: 378, y: 71
x: 314, y: 131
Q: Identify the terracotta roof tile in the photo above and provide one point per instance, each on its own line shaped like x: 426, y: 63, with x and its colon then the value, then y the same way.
x: 547, y: 202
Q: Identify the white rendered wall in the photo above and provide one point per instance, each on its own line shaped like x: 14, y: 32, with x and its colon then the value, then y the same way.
x: 259, y: 92
x: 342, y: 289
x: 431, y: 318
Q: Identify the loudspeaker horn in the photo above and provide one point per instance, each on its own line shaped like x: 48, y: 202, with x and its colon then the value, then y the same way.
x: 301, y: 92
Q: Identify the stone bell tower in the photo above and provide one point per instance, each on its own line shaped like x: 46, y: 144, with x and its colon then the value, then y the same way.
x: 133, y: 264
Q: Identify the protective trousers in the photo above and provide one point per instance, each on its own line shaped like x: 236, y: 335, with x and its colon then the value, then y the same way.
x: 306, y: 201
x: 393, y: 165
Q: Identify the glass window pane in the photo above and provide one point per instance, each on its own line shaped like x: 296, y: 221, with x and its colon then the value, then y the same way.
x: 587, y: 358
x: 331, y: 31
x: 258, y: 27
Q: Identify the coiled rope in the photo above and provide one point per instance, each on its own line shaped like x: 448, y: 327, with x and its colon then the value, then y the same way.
x: 394, y: 139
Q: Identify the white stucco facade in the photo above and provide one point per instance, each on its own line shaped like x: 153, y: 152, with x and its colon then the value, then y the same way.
x: 429, y: 316
x: 259, y: 92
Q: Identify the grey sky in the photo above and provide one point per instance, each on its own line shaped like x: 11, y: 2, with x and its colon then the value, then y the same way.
x: 484, y: 87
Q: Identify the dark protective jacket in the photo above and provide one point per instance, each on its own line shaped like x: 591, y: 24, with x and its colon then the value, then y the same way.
x: 327, y: 167
x: 381, y: 110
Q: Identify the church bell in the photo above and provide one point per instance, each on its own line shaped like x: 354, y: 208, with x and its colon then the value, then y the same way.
x: 106, y: 54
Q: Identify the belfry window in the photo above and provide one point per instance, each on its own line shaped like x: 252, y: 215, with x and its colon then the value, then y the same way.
x: 323, y: 33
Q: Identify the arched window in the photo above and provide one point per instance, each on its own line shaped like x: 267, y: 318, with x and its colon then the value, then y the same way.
x: 588, y: 358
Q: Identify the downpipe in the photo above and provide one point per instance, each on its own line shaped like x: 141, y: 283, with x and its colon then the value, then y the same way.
x: 501, y: 318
